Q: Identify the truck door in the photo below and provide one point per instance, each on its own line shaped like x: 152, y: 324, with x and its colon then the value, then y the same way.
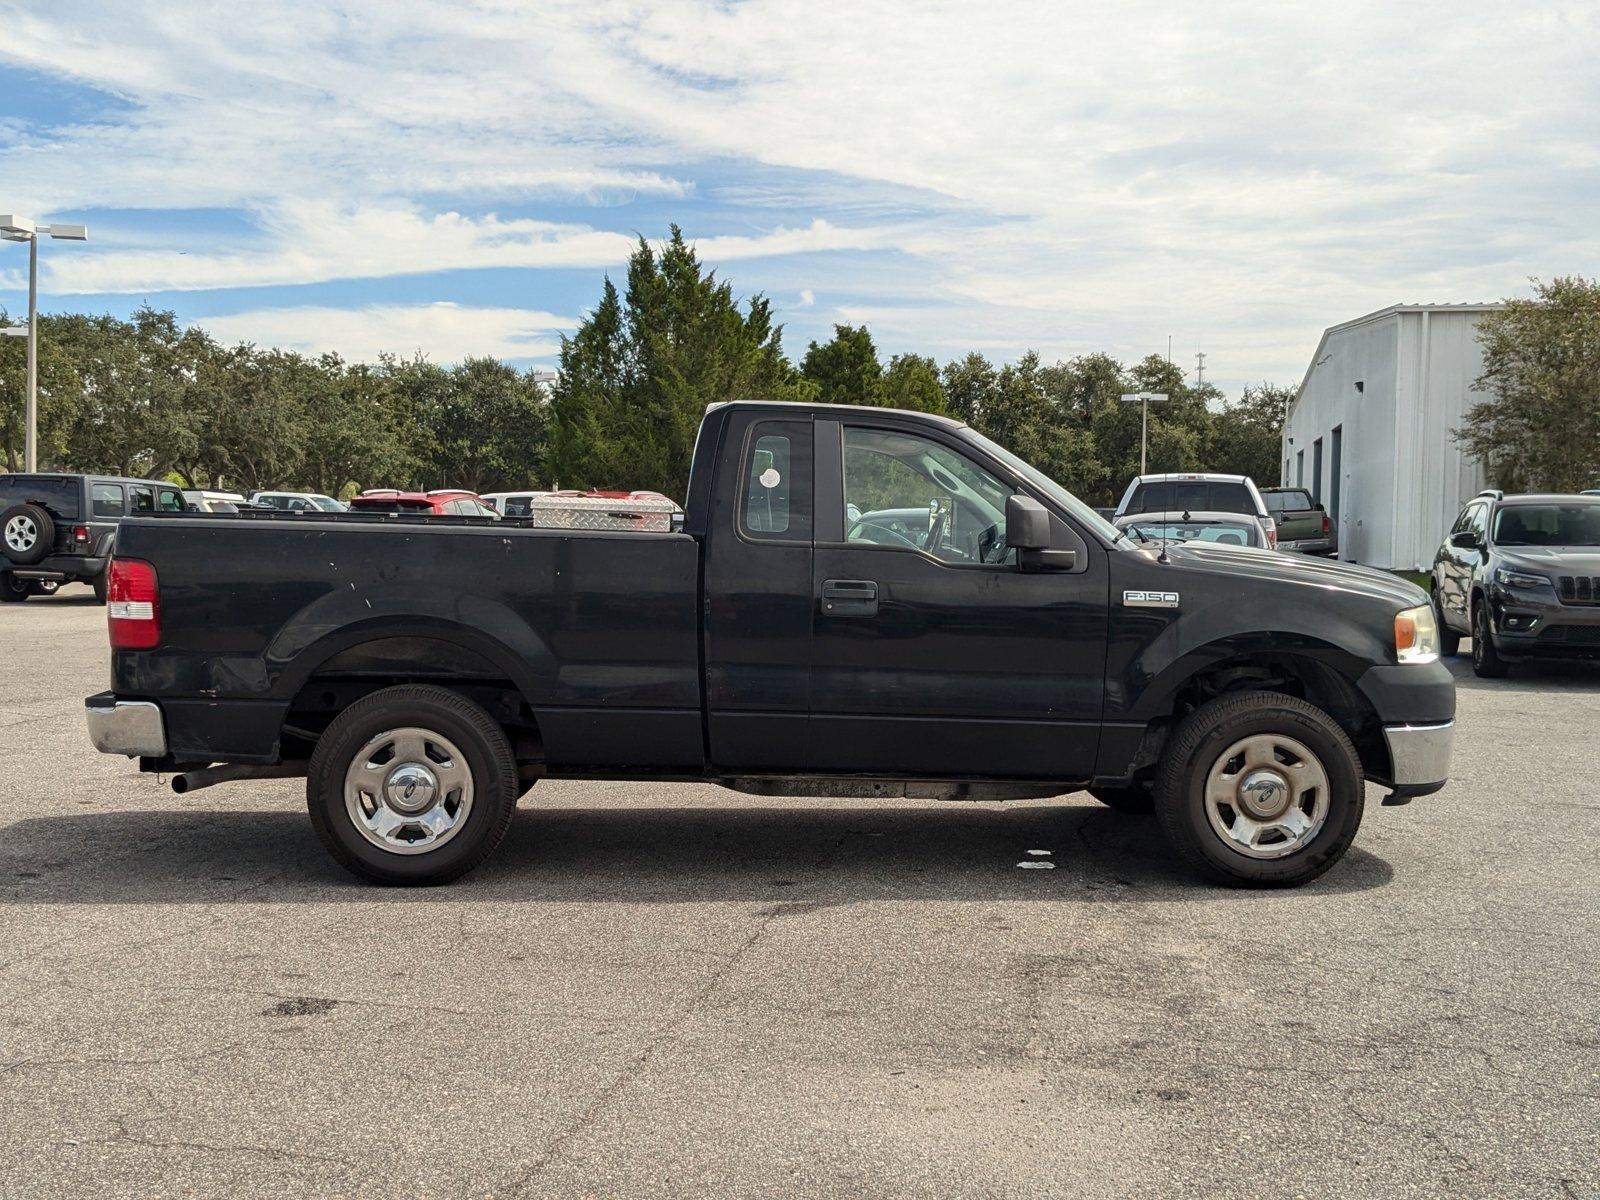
x: 933, y: 652
x: 757, y: 610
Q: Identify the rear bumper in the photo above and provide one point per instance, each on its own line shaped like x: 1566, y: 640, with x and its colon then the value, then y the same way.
x: 131, y: 727
x: 1419, y: 756
x: 63, y: 568
x: 1311, y: 545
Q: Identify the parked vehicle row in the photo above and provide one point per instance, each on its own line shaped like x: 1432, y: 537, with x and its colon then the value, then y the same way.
x: 859, y: 602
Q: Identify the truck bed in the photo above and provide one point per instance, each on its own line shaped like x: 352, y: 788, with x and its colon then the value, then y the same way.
x: 603, y: 626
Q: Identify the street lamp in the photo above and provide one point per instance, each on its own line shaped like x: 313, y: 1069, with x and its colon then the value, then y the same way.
x: 1145, y: 399
x: 23, y: 229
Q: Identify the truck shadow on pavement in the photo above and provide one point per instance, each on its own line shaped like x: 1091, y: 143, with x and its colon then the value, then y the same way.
x: 802, y: 858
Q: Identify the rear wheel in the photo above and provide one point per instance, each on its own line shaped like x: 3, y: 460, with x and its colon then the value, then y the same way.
x: 1486, y: 660
x: 1125, y: 799
x: 412, y: 785
x: 14, y: 590
x: 1449, y: 639
x: 1260, y: 789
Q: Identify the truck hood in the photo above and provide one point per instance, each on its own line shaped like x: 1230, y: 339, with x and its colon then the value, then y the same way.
x: 1559, y: 560
x: 1278, y: 567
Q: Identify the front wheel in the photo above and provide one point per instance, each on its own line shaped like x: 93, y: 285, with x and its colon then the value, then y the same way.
x: 1260, y: 789
x: 1486, y: 660
x: 412, y: 785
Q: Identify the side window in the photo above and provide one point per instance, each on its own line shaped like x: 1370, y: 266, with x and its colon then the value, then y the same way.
x: 775, y: 499
x: 141, y: 500
x: 106, y: 500
x: 518, y: 506
x: 170, y: 500
x: 1480, y: 520
x: 910, y: 493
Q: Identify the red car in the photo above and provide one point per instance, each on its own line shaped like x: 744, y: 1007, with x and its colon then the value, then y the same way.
x: 446, y: 502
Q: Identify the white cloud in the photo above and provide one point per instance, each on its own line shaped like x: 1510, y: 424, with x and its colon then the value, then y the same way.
x: 1233, y: 173
x: 443, y: 332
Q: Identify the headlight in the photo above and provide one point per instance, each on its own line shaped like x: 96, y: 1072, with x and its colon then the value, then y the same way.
x: 1518, y: 579
x: 1416, y: 635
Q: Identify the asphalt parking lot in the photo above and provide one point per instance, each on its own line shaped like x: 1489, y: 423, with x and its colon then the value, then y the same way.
x: 675, y: 990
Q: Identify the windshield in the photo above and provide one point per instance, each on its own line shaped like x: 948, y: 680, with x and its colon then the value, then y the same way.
x: 61, y: 497
x: 1574, y: 524
x: 1048, y: 486
x: 327, y: 504
x: 1222, y: 533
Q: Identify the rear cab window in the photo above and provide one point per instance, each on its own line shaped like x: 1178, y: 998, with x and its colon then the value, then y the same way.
x: 60, y: 496
x: 1193, y: 495
x: 1295, y: 501
x: 775, y: 492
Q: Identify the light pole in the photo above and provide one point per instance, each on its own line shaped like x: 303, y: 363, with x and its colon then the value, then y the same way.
x: 23, y: 229
x: 1145, y: 399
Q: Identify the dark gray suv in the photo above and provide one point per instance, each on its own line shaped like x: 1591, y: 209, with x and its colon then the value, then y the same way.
x: 57, y: 529
x: 1520, y: 575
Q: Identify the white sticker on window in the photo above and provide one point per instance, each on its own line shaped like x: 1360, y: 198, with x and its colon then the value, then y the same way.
x: 769, y: 477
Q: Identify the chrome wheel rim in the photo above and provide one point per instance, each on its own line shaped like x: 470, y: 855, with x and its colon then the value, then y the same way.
x: 1267, y: 796
x: 21, y: 533
x: 408, y: 791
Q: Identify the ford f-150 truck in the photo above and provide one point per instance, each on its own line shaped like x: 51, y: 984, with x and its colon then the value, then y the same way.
x: 797, y: 636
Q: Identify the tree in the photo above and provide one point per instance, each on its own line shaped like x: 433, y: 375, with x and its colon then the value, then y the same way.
x: 482, y: 428
x: 912, y: 381
x: 846, y: 369
x: 639, y: 371
x: 1247, y: 435
x: 1539, y: 428
x: 60, y: 394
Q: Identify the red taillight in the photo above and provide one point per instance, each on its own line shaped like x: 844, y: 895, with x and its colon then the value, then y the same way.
x: 1327, y: 525
x: 133, y: 605
x: 80, y: 534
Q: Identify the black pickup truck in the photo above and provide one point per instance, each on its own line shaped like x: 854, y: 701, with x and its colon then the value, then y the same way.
x: 860, y: 602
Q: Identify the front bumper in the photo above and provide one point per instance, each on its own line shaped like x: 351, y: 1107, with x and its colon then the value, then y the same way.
x: 131, y: 727
x: 1530, y: 624
x: 1419, y: 756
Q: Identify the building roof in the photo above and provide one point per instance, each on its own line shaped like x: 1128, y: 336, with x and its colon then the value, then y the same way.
x: 1481, y: 306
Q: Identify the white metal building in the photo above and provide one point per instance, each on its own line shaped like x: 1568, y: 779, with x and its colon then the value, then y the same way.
x: 1369, y: 432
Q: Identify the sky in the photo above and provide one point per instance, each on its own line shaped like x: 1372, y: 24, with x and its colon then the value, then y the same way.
x: 458, y: 178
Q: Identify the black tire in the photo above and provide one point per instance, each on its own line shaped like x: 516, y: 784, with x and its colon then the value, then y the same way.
x: 481, y: 742
x: 1208, y: 733
x: 1125, y: 799
x: 1486, y: 660
x: 1449, y: 639
x: 14, y: 590
x: 101, y: 584
x: 30, y: 525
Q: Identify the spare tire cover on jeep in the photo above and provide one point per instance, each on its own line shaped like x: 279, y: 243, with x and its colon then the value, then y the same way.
x: 27, y: 533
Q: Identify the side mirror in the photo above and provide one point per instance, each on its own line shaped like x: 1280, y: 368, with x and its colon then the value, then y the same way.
x: 1027, y: 524
x: 1467, y: 539
x: 1028, y: 533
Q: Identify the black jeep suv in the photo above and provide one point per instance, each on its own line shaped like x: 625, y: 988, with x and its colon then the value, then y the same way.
x: 1521, y: 576
x: 57, y: 529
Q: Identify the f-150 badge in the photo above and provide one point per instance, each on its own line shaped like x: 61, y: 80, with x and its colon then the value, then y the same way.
x: 1150, y: 599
